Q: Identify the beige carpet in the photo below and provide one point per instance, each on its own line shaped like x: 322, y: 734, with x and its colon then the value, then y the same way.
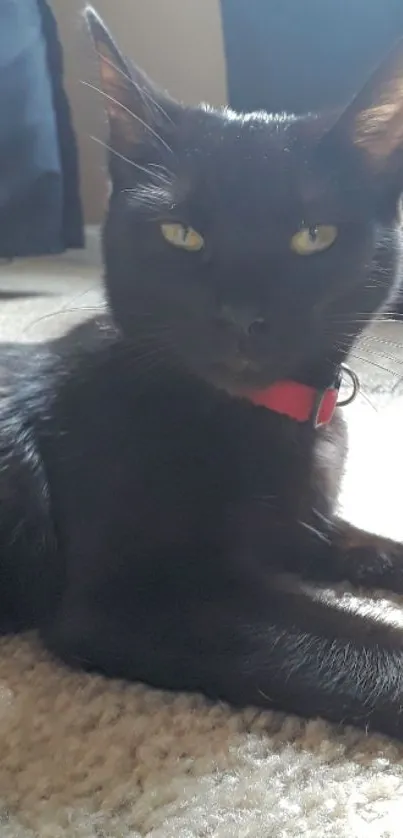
x: 83, y: 757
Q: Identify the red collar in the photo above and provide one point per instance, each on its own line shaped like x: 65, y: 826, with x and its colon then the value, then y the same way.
x: 298, y: 401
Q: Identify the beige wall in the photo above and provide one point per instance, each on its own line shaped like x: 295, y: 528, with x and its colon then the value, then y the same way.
x: 178, y: 42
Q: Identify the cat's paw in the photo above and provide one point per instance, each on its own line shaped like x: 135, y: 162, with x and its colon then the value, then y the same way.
x: 367, y: 560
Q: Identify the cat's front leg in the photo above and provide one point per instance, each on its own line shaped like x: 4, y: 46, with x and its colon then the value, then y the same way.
x: 270, y: 646
x: 359, y: 557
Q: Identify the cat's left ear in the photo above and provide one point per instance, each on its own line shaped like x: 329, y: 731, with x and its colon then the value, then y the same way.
x: 373, y: 122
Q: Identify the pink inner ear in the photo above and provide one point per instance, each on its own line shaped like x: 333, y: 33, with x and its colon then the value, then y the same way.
x: 373, y: 121
x: 379, y: 130
x: 108, y: 71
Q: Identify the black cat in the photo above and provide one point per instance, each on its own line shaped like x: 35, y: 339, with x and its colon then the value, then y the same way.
x: 155, y: 487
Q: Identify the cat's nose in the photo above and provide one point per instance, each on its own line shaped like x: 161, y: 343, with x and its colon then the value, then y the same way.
x: 244, y: 321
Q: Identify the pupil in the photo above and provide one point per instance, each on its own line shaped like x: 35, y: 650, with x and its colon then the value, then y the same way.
x: 313, y: 232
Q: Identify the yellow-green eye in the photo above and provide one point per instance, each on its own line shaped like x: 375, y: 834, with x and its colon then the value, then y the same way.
x: 181, y: 236
x: 311, y: 240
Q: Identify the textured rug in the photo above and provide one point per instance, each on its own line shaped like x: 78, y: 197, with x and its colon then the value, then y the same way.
x: 84, y: 757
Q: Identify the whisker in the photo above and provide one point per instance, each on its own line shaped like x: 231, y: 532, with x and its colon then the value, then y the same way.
x: 384, y: 317
x: 164, y: 174
x: 361, y: 393
x: 382, y: 341
x: 322, y: 517
x: 381, y: 354
x: 82, y: 294
x: 121, y: 156
x: 148, y: 328
x: 157, y: 105
x: 101, y: 309
x: 142, y: 90
x: 314, y: 531
x: 114, y: 66
x: 131, y: 114
x: 374, y: 364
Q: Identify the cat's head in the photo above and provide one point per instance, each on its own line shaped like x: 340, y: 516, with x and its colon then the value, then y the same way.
x: 249, y: 248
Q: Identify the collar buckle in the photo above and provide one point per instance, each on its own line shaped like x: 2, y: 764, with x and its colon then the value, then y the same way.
x: 355, y: 382
x: 332, y: 393
x: 328, y: 393
x: 314, y: 418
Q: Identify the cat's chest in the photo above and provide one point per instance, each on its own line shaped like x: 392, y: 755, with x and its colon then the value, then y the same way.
x: 229, y: 473
x: 172, y: 469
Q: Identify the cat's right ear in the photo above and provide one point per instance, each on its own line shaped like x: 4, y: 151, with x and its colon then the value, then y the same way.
x: 137, y: 111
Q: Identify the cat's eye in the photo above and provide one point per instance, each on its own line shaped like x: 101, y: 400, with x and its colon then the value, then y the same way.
x: 180, y: 236
x: 311, y: 240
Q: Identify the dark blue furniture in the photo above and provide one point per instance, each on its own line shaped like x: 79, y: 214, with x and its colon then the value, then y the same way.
x: 301, y: 55
x: 40, y: 209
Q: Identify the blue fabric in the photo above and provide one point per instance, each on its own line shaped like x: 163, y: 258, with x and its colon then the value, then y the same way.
x: 301, y: 55
x: 32, y: 188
